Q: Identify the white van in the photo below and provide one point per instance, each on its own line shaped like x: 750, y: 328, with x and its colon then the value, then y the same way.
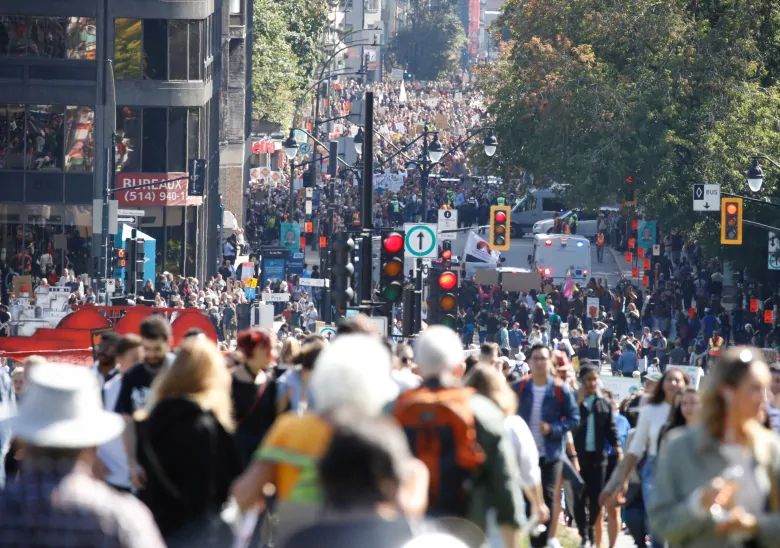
x: 556, y: 256
x: 535, y: 206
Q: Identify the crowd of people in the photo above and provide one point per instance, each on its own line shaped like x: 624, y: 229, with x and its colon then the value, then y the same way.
x: 357, y: 440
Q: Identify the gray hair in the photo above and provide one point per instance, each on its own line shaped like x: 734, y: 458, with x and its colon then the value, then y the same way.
x: 354, y: 371
x: 437, y: 351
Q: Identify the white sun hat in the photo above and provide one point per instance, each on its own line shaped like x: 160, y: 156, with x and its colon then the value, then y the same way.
x: 61, y: 408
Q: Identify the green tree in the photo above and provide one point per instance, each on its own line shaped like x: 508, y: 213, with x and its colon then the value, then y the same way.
x: 285, y: 53
x: 430, y: 45
x: 587, y: 92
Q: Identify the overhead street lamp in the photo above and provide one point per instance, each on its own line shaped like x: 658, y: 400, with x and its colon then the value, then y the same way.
x: 432, y: 153
x: 755, y: 175
x: 291, y: 151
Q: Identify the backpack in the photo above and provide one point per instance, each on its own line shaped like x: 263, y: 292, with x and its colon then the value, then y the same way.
x: 440, y: 426
x: 557, y: 388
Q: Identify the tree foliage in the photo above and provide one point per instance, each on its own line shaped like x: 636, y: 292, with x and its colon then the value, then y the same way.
x: 285, y: 54
x: 430, y: 45
x: 673, y: 93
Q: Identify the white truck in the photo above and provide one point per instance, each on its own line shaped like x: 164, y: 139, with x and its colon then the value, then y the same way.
x: 556, y: 256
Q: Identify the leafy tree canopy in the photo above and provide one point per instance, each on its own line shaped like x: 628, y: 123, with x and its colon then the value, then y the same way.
x: 285, y: 53
x: 673, y: 93
x: 430, y: 44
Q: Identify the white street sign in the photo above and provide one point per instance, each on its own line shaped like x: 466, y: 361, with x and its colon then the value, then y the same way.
x: 774, y: 251
x: 131, y: 212
x: 656, y: 250
x: 308, y: 207
x: 328, y: 331
x: 314, y: 282
x: 448, y: 220
x: 275, y: 297
x: 420, y: 240
x: 110, y: 286
x: 126, y: 219
x: 706, y: 197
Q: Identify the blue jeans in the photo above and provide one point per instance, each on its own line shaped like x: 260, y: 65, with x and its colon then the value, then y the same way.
x: 648, y: 485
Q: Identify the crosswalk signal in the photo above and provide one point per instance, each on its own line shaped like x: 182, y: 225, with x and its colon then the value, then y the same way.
x: 342, y: 269
x: 446, y: 253
x: 731, y: 221
x: 443, y: 297
x: 629, y: 197
x: 499, y: 227
x: 391, y: 280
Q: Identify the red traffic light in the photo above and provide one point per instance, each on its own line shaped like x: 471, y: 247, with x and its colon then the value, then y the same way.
x: 393, y: 243
x: 447, y: 280
x: 731, y: 208
x: 446, y: 254
x: 500, y: 217
x: 120, y: 253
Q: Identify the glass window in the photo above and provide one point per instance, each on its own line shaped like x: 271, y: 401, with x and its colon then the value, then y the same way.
x: 47, y: 37
x: 155, y: 50
x: 193, y: 133
x: 128, y: 141
x: 16, y: 123
x: 153, y: 159
x: 177, y: 49
x: 127, y: 48
x: 79, y: 139
x: 195, y: 57
x: 44, y: 137
x: 82, y: 38
x: 14, y: 32
x: 177, y: 139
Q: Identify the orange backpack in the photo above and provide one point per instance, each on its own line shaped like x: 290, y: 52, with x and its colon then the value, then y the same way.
x: 440, y: 426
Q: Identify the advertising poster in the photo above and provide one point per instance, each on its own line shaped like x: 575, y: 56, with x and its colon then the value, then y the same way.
x: 290, y: 237
x: 647, y: 234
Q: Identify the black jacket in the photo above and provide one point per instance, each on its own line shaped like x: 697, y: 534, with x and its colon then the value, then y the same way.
x: 191, y: 452
x: 604, y: 425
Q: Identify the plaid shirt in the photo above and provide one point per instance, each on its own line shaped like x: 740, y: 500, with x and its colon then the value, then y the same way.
x: 72, y: 509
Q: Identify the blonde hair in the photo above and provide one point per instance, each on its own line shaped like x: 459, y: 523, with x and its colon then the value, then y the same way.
x: 291, y: 348
x: 730, y: 369
x: 489, y: 382
x: 199, y: 374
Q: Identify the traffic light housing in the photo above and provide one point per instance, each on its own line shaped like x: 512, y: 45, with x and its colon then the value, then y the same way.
x: 499, y: 227
x: 120, y: 258
x: 629, y: 196
x: 446, y: 253
x: 731, y: 221
x: 342, y: 269
x: 197, y: 177
x: 391, y: 279
x: 443, y: 297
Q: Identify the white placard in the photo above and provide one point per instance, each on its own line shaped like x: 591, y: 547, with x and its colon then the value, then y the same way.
x: 131, y: 212
x: 275, y: 297
x: 656, y: 250
x: 448, y: 221
x: 314, y: 282
x: 706, y: 197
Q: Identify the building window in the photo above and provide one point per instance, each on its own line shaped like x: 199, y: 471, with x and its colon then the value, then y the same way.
x: 44, y: 137
x: 127, y: 49
x: 47, y: 138
x: 50, y: 37
x: 79, y: 139
x: 128, y: 140
x: 158, y: 49
x: 156, y: 139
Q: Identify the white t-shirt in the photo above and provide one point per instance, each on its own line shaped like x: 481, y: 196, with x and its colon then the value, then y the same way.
x: 536, y: 415
x: 525, y: 450
x: 652, y: 417
x: 112, y: 453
